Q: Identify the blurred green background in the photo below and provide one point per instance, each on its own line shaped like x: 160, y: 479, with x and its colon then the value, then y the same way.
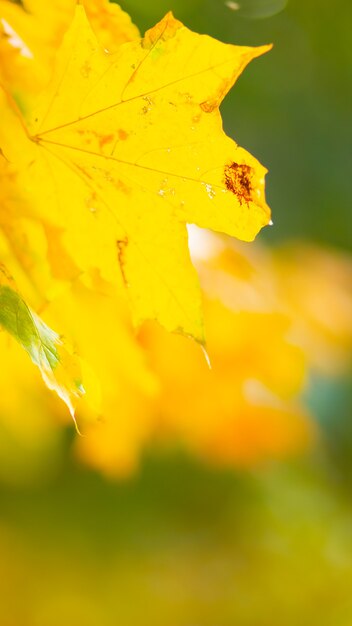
x: 181, y: 544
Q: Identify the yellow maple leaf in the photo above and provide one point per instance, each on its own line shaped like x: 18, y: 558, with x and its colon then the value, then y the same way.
x: 122, y: 150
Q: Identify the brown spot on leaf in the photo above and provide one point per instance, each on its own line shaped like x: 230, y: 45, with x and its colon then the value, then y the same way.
x: 89, y: 135
x: 238, y: 179
x: 104, y: 139
x: 122, y: 134
x: 208, y: 106
x: 121, y: 251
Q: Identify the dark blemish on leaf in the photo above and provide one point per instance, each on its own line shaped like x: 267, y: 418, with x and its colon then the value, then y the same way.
x: 121, y: 251
x: 238, y: 180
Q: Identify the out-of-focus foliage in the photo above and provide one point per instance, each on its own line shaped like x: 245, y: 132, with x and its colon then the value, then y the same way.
x: 193, y: 546
x: 264, y: 338
x: 317, y: 286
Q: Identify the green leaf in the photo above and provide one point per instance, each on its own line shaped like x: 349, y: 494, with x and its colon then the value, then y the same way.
x: 60, y: 369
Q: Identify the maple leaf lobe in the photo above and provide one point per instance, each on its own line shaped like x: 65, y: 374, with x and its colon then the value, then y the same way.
x: 162, y: 31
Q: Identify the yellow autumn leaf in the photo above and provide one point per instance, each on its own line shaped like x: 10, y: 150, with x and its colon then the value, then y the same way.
x: 122, y: 150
